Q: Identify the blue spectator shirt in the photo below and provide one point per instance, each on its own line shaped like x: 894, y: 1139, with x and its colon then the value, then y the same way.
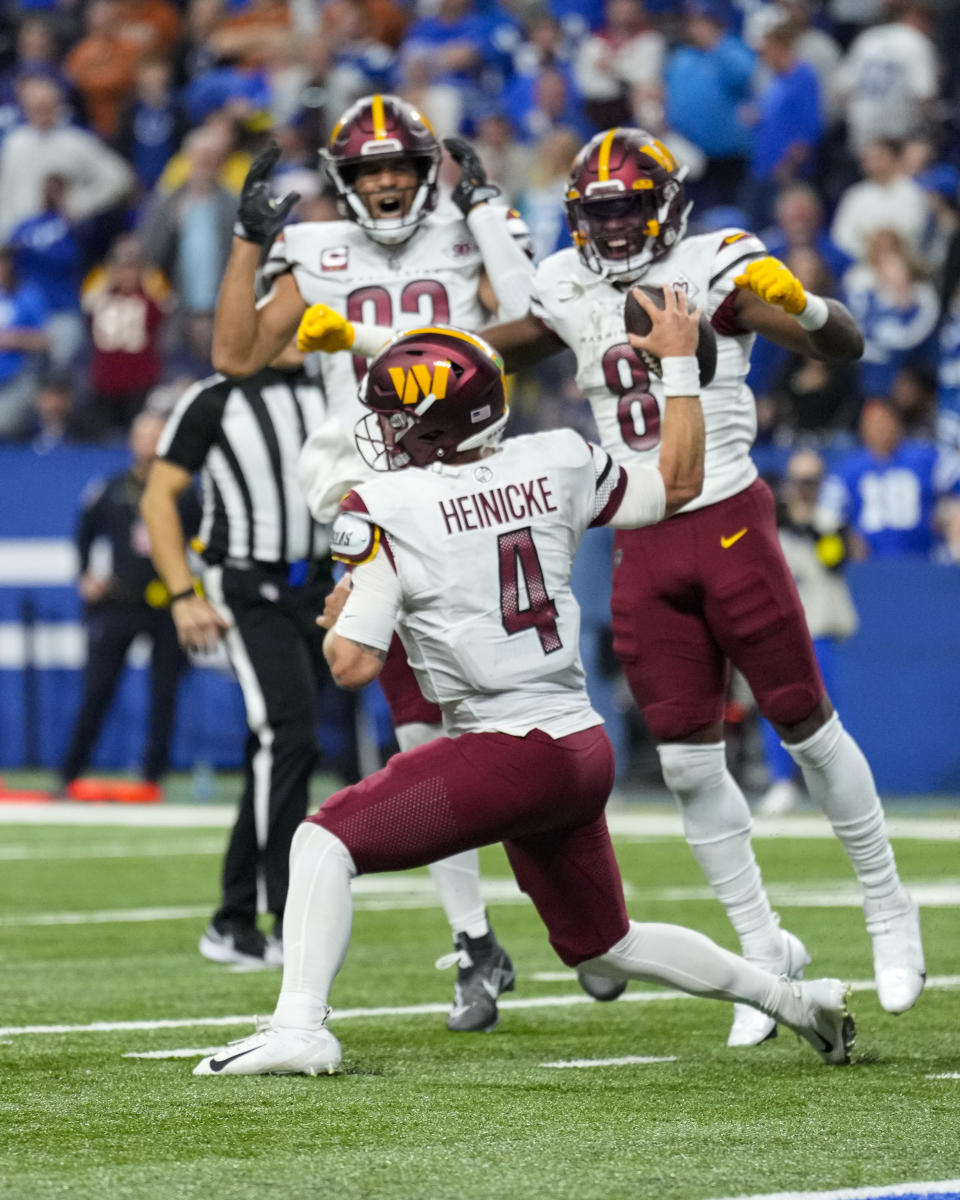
x: 47, y: 256
x: 154, y: 139
x: 893, y: 337
x: 890, y: 502
x: 22, y: 308
x: 789, y: 112
x: 704, y: 90
x: 948, y: 382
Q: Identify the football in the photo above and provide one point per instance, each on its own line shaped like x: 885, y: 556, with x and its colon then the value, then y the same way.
x: 637, y: 321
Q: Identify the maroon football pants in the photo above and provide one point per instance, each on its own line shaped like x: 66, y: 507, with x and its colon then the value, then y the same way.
x: 542, y: 797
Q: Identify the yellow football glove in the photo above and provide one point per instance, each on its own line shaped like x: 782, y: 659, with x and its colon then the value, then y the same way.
x: 321, y: 328
x: 769, y: 279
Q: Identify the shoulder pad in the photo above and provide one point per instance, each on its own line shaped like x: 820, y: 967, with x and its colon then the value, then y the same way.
x: 354, y: 539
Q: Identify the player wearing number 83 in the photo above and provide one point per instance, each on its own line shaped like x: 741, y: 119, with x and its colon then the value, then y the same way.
x: 466, y: 546
x: 711, y: 586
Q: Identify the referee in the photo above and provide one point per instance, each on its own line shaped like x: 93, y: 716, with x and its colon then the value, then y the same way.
x: 262, y: 589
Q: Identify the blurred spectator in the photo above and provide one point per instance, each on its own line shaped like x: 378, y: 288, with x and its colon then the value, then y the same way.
x: 817, y: 47
x: 799, y: 225
x: 234, y: 161
x: 187, y: 233
x: 787, y: 127
x: 247, y: 34
x: 896, y: 307
x: 97, y: 178
x: 102, y: 66
x: 913, y: 395
x: 153, y: 24
x: 313, y: 99
x: 888, y: 490
x: 55, y: 419
x: 125, y: 304
x: 706, y: 80
x: 195, y: 53
x: 886, y: 199
x: 815, y: 560
x: 504, y: 159
x: 22, y: 339
x: 542, y: 202
x: 453, y: 46
x: 48, y: 256
x: 849, y: 17
x: 889, y: 76
x: 37, y: 53
x: 153, y: 123
x: 577, y: 17
x: 619, y: 68
x: 941, y: 184
x: 542, y: 103
x: 123, y: 602
x: 357, y: 62
x: 809, y: 395
x: 948, y: 378
x: 383, y: 21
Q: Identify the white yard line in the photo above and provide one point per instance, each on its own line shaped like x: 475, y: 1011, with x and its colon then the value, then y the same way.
x: 623, y: 822
x: 403, y: 1010
x: 946, y: 1075
x: 945, y: 1187
x: 628, y: 1060
x: 386, y: 893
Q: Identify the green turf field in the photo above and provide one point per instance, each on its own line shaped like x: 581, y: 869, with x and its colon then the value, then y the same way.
x: 100, y: 924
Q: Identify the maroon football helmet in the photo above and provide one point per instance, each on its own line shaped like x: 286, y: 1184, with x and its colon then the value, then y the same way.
x: 625, y: 203
x: 375, y: 127
x: 433, y: 393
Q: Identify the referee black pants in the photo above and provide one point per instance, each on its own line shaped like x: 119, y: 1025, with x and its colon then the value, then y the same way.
x: 276, y: 650
x: 111, y: 627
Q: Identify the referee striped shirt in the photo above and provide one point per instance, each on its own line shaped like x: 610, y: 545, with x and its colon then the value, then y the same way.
x: 245, y: 436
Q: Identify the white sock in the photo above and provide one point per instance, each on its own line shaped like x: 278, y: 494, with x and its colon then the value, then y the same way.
x: 457, y: 878
x: 839, y: 779
x: 717, y: 826
x: 316, y: 925
x: 683, y: 959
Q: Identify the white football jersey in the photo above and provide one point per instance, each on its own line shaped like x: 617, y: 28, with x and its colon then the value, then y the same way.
x: 483, y: 554
x: 430, y: 279
x: 586, y: 311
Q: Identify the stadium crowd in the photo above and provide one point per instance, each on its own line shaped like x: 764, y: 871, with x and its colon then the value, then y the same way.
x: 127, y: 126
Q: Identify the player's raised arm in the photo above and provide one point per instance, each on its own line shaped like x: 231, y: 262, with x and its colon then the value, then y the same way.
x: 672, y: 339
x: 772, y: 301
x: 247, y: 335
x: 523, y: 343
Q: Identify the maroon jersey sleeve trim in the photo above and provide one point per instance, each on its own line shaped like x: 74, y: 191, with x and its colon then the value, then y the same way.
x: 725, y: 320
x: 616, y: 496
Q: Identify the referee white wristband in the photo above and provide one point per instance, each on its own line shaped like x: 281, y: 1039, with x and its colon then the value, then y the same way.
x: 369, y: 340
x: 815, y: 315
x: 681, y: 376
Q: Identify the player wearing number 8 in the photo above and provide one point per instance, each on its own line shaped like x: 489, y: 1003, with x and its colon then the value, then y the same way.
x: 711, y: 586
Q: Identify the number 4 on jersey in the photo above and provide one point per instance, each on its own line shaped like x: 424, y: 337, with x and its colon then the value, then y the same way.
x: 517, y: 552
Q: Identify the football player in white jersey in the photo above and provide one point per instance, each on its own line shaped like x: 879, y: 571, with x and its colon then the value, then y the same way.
x: 397, y: 259
x: 467, y: 547
x: 711, y: 586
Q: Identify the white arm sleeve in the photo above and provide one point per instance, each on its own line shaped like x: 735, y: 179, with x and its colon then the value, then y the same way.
x: 369, y: 616
x: 329, y: 466
x: 644, y: 499
x: 508, y: 267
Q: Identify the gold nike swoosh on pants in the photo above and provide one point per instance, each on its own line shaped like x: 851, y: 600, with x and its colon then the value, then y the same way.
x: 727, y: 542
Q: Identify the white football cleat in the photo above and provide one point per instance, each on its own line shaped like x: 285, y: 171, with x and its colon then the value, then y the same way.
x: 275, y: 1051
x: 827, y: 1022
x: 898, y: 964
x: 750, y: 1026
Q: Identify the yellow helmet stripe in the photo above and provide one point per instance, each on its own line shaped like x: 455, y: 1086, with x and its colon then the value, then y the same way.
x: 603, y: 163
x: 379, y: 118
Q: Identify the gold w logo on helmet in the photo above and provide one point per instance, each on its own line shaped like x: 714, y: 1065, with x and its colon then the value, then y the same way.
x: 416, y: 383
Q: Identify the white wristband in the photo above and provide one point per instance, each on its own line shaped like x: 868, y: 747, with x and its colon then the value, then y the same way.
x: 681, y: 376
x: 369, y: 340
x: 815, y: 315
